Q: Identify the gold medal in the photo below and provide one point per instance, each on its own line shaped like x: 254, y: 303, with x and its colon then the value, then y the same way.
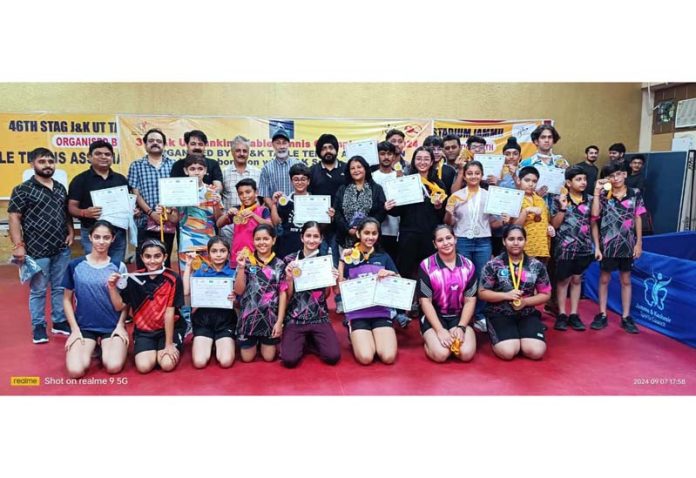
x: 607, y: 187
x: 564, y: 190
x: 397, y: 166
x: 197, y: 262
x: 296, y: 272
x: 283, y: 201
x: 355, y: 254
x: 517, y: 302
x: 454, y: 348
x: 237, y: 220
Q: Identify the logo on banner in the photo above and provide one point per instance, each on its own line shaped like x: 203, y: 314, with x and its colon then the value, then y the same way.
x: 656, y: 290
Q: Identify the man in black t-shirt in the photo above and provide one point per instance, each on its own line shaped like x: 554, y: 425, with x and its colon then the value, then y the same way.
x: 196, y: 143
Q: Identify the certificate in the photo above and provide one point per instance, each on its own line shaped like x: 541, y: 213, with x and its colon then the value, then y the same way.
x: 366, y: 148
x: 311, y: 208
x: 358, y: 293
x: 316, y: 273
x: 395, y: 292
x: 504, y: 201
x: 178, y: 192
x: 112, y: 200
x: 492, y: 164
x: 552, y: 178
x: 404, y: 190
x: 211, y: 292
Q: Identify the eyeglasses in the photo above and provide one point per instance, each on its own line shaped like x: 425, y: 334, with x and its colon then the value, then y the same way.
x: 300, y: 180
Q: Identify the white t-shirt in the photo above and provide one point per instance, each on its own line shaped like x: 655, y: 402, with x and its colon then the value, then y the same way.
x: 390, y: 226
x: 470, y: 220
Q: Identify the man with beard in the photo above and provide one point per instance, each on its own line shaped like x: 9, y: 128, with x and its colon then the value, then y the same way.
x: 41, y: 228
x: 143, y: 178
x: 196, y: 143
x: 326, y: 177
x: 275, y: 174
x: 452, y: 147
x: 589, y: 167
x: 616, y: 153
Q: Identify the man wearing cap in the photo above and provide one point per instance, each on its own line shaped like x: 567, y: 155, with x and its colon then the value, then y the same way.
x: 327, y: 176
x: 275, y: 174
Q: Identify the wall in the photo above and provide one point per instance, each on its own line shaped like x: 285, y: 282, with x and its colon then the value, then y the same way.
x: 585, y: 113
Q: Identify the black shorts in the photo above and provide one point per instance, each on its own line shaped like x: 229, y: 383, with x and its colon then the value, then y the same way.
x: 609, y: 264
x: 251, y: 341
x: 146, y: 341
x: 369, y: 324
x: 574, y: 267
x: 214, y: 323
x: 447, y: 322
x: 506, y: 327
x: 96, y: 336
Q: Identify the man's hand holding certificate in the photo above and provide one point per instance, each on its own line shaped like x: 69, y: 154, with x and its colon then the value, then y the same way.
x: 552, y: 178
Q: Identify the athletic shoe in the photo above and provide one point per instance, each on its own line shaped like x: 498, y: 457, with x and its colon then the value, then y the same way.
x: 575, y: 322
x: 40, y: 336
x: 480, y: 325
x: 61, y: 328
x: 403, y: 320
x: 628, y: 325
x: 561, y: 323
x: 599, y: 322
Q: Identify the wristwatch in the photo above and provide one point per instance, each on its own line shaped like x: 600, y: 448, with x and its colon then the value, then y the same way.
x: 463, y: 327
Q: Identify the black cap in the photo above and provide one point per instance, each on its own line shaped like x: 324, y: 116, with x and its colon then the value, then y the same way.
x: 280, y: 133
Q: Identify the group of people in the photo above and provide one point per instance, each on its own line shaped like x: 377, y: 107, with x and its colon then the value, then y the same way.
x: 474, y: 271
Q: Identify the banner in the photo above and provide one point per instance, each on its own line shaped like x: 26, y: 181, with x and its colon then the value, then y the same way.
x: 67, y: 135
x: 221, y: 130
x: 663, y: 286
x: 496, y: 132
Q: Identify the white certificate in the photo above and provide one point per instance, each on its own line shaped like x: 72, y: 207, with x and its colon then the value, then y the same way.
x: 211, y: 292
x: 358, y: 293
x: 395, y: 292
x: 492, y: 164
x: 404, y: 190
x: 504, y: 201
x: 178, y: 192
x: 112, y: 200
x: 311, y: 208
x: 366, y: 148
x: 317, y: 273
x: 552, y: 178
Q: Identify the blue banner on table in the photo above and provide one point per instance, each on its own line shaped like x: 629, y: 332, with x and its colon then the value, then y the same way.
x: 664, y: 286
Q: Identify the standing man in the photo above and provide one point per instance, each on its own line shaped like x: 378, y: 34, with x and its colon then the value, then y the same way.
x: 98, y: 176
x: 544, y: 138
x: 234, y: 173
x: 445, y: 172
x: 275, y: 174
x: 41, y: 227
x: 386, y: 173
x: 589, y: 166
x: 452, y: 146
x: 143, y: 178
x: 616, y: 153
x: 196, y: 143
x: 398, y: 139
x: 326, y: 177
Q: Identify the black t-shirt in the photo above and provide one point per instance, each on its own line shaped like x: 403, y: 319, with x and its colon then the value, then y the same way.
x: 591, y: 171
x: 86, y: 181
x: 325, y: 182
x: 213, y: 173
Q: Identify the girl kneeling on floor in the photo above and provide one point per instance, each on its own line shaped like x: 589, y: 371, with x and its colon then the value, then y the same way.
x: 212, y: 326
x: 513, y: 284
x: 93, y: 320
x: 371, y: 330
x: 447, y: 295
x: 155, y: 297
x: 261, y: 286
x: 307, y: 317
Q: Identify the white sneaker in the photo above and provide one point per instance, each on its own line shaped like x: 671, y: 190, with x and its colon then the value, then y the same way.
x: 480, y: 325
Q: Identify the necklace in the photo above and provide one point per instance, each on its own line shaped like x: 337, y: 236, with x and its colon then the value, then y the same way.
x: 516, y: 278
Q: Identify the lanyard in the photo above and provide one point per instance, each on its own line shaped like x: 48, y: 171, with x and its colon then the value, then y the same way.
x: 516, y: 278
x: 123, y: 280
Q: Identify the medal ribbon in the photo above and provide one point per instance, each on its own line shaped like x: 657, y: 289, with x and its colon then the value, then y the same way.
x: 516, y: 279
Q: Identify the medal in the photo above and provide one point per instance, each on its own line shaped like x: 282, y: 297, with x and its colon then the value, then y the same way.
x: 607, y: 187
x: 516, y: 279
x: 477, y: 231
x: 296, y: 272
x: 283, y: 201
x: 454, y: 348
x: 237, y: 220
x: 355, y: 254
x: 122, y: 282
x: 469, y: 235
x: 564, y: 191
x: 197, y: 262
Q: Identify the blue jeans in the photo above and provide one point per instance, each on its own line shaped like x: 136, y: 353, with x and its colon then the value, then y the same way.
x: 117, y: 250
x: 52, y: 271
x: 478, y: 250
